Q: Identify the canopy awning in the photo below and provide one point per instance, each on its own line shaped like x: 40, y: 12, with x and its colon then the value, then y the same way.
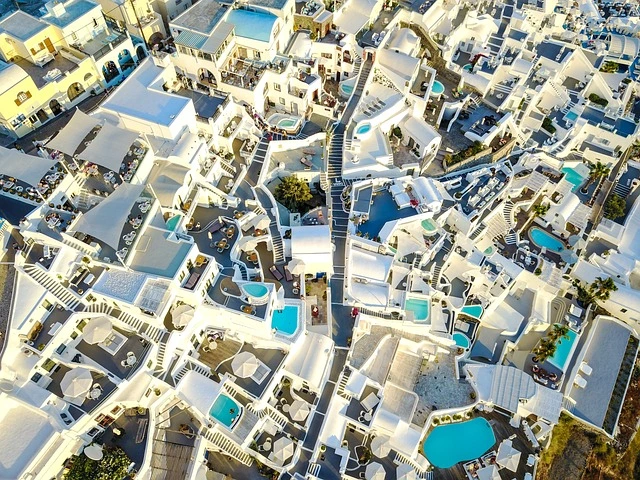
x: 165, y: 180
x: 71, y: 136
x: 109, y: 147
x: 28, y: 168
x: 105, y: 221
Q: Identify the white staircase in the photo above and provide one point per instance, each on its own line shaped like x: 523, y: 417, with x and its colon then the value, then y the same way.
x: 190, y: 366
x: 435, y: 279
x: 342, y: 384
x: 400, y: 458
x: 276, y: 239
x: 53, y: 286
x: 162, y: 349
x: 224, y: 444
x: 98, y: 308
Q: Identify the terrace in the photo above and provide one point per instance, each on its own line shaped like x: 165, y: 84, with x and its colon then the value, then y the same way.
x: 85, y: 404
x: 52, y: 71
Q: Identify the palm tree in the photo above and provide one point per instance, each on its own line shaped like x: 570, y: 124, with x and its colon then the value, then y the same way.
x: 558, y: 331
x: 596, y: 171
x: 601, y: 288
x: 540, y: 210
x: 546, y: 349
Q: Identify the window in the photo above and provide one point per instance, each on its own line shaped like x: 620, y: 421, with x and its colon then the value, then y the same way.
x: 326, y: 55
x: 624, y: 310
x: 33, y: 119
x: 16, y: 122
x: 74, y: 37
x: 282, y: 102
x: 22, y: 97
x: 276, y: 87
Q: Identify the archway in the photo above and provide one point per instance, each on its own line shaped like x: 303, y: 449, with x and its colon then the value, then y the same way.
x: 206, y: 77
x: 125, y: 60
x: 140, y: 53
x: 88, y: 78
x: 110, y: 71
x: 75, y: 90
x: 55, y: 107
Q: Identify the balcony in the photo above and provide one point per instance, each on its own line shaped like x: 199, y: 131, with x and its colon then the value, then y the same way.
x: 103, y: 43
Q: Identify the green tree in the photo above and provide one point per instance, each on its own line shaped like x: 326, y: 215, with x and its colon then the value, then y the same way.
x: 601, y: 288
x: 585, y: 296
x: 293, y: 193
x: 113, y: 466
x: 545, y: 349
x: 540, y: 210
x: 598, y: 170
x: 615, y: 207
x: 558, y: 331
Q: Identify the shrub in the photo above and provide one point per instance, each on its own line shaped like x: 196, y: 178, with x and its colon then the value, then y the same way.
x: 615, y: 207
x: 114, y: 464
x: 598, y: 100
x: 538, y: 271
x: 547, y: 124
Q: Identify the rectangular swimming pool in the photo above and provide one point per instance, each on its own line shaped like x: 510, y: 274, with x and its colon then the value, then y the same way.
x: 419, y: 307
x: 564, y: 348
x: 285, y: 320
x: 225, y: 410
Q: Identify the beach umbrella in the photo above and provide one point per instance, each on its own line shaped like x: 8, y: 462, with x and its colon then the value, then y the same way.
x: 569, y: 256
x: 244, y: 364
x: 283, y: 449
x: 94, y: 452
x: 97, y: 330
x: 380, y: 446
x: 488, y: 473
x: 76, y: 382
x: 182, y: 314
x: 406, y: 472
x: 375, y: 471
x: 262, y: 222
x: 507, y: 456
x: 296, y: 266
x: 248, y: 244
x: 299, y: 410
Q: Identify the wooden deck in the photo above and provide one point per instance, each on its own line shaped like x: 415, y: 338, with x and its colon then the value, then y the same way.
x: 502, y: 431
x: 225, y: 350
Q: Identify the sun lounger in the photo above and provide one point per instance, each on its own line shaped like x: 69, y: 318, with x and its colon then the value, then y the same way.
x: 275, y: 272
x: 580, y: 381
x: 287, y: 274
x: 193, y: 279
x: 306, y: 162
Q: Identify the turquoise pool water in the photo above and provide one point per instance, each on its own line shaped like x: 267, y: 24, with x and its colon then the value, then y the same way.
x: 543, y: 239
x: 449, y: 444
x: 252, y: 24
x: 461, y: 340
x: 285, y: 320
x: 362, y: 129
x: 573, y: 176
x: 428, y: 226
x: 287, y: 123
x: 225, y: 410
x: 173, y: 222
x: 255, y: 289
x: 420, y: 308
x: 468, y: 67
x: 346, y: 88
x: 488, y: 251
x: 564, y: 347
x: 474, y: 311
x: 438, y: 88
x: 571, y: 116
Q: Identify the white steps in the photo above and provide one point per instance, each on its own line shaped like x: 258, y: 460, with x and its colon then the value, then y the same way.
x: 53, y: 286
x: 222, y: 443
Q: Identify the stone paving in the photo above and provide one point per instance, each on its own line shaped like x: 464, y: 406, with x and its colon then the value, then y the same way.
x: 438, y: 388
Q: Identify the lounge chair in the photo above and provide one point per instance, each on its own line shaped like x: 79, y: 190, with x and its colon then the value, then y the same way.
x: 287, y: 274
x: 276, y: 273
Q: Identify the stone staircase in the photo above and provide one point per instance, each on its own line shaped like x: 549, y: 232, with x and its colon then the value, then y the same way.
x: 53, y: 286
x: 228, y: 170
x: 342, y: 384
x: 190, y: 366
x: 222, y: 443
x: 162, y: 349
x: 435, y: 279
x: 622, y: 190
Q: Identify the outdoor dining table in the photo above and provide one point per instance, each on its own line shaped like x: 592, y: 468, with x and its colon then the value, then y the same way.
x: 222, y: 243
x: 231, y: 231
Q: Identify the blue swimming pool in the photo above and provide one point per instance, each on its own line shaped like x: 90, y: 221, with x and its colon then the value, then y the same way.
x: 564, y: 348
x: 255, y: 25
x: 285, y: 320
x: 346, y: 88
x: 257, y: 290
x: 419, y: 307
x: 468, y: 67
x: 364, y: 128
x: 474, y: 311
x: 461, y: 340
x: 437, y: 88
x: 544, y: 239
x: 448, y: 445
x: 574, y: 176
x: 571, y: 116
x: 173, y: 222
x: 429, y: 226
x: 225, y: 410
